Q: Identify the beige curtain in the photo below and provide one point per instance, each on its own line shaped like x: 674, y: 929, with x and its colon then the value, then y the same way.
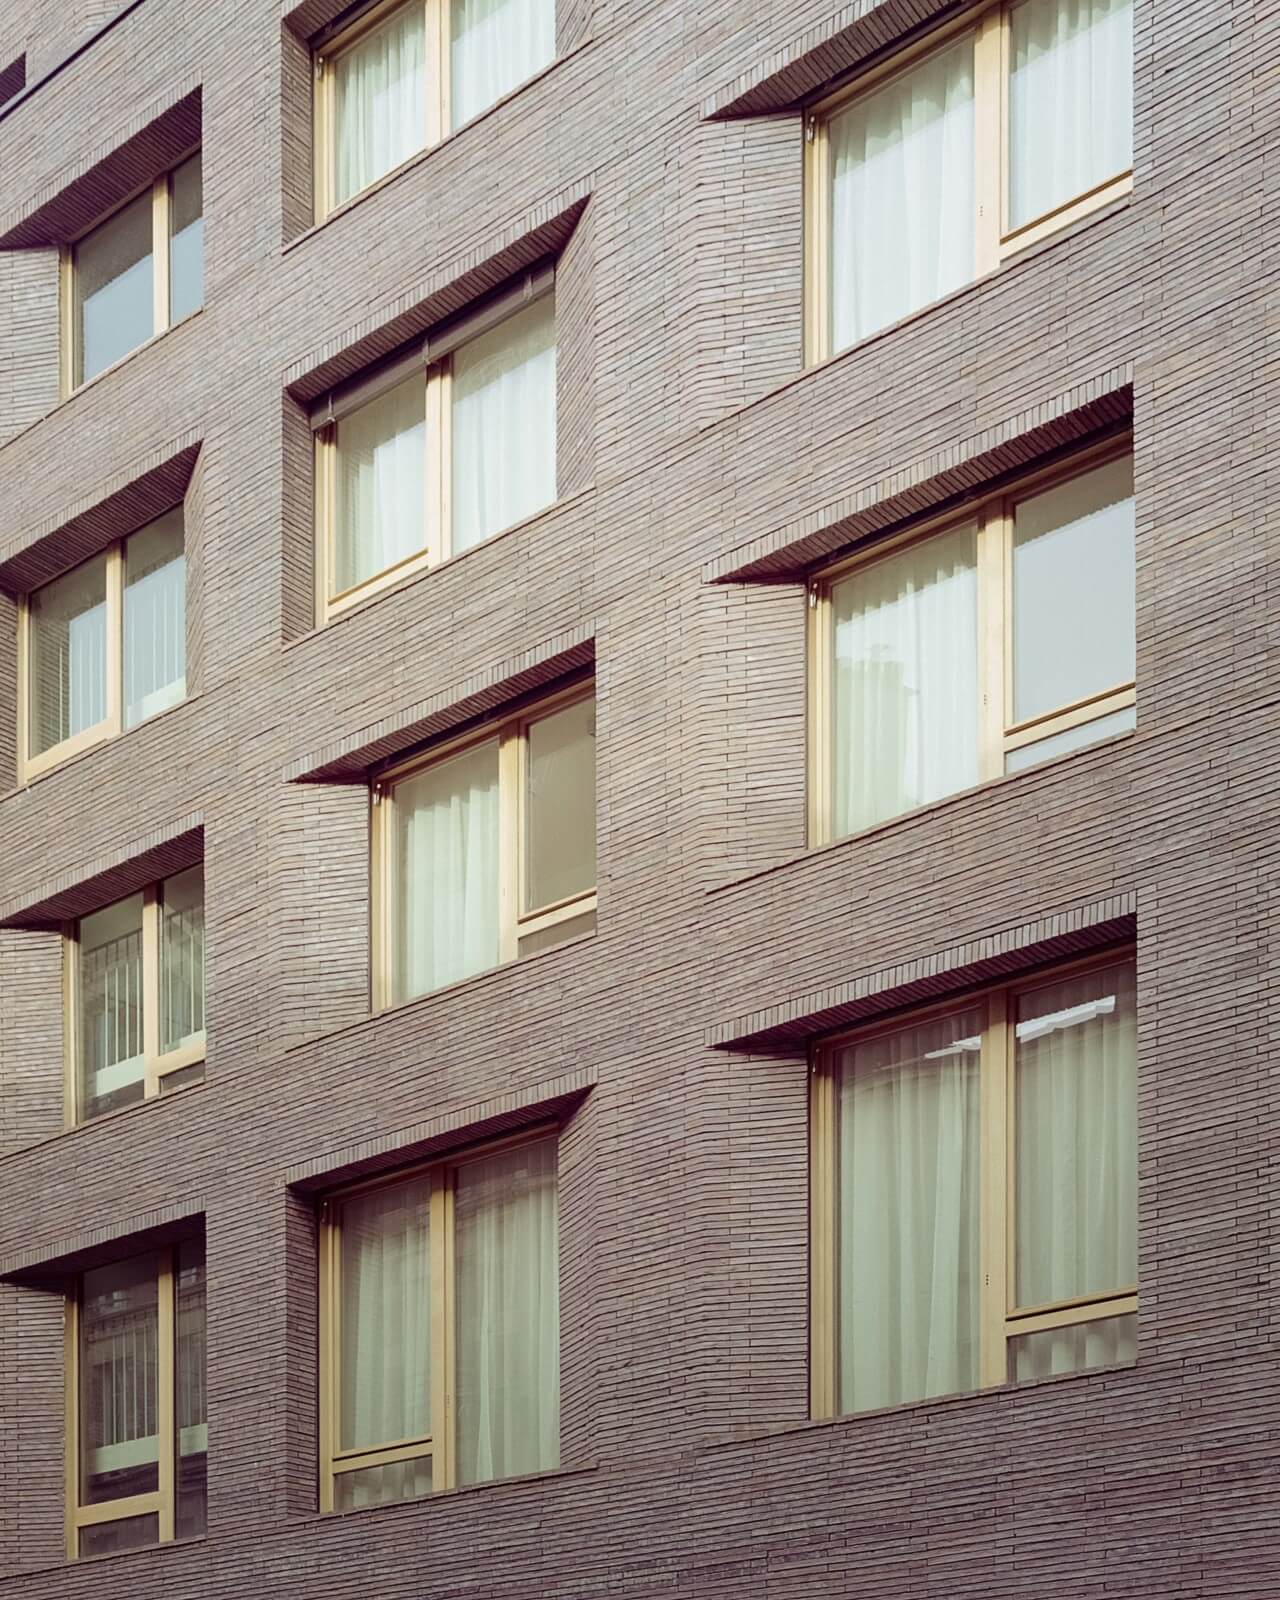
x: 380, y: 102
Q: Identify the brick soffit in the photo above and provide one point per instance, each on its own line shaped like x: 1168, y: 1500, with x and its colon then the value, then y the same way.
x: 933, y: 483
x: 89, y: 887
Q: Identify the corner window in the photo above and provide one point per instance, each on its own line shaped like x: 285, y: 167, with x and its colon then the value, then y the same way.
x: 440, y: 1334
x: 136, y: 981
x: 982, y: 647
x: 137, y: 1429
x: 930, y: 172
x: 975, y: 1193
x: 443, y: 448
x: 401, y: 77
x: 135, y: 274
x: 105, y: 646
x: 486, y: 850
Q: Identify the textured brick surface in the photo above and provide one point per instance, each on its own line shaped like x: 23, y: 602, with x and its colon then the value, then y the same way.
x: 692, y: 448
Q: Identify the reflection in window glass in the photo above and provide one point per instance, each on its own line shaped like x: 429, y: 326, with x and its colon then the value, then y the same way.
x: 110, y: 984
x: 126, y: 1533
x: 182, y: 959
x: 186, y: 240
x: 119, y: 1439
x: 560, y: 806
x: 155, y: 619
x: 114, y: 294
x: 1061, y: 744
x: 67, y: 655
x: 190, y: 1404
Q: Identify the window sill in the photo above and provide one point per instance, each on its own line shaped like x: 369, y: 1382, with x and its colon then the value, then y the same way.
x: 107, y: 740
x: 420, y: 156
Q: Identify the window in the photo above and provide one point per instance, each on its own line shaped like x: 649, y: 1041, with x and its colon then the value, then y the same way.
x: 974, y: 1178
x: 404, y: 76
x: 136, y: 1424
x: 978, y: 647
x: 136, y: 1004
x: 485, y: 850
x: 930, y: 172
x: 134, y: 274
x: 440, y: 1327
x: 439, y: 450
x: 104, y: 647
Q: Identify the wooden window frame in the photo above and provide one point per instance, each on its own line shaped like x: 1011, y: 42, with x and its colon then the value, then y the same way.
x: 161, y: 190
x: 511, y: 734
x: 995, y: 242
x: 162, y: 1501
x: 440, y: 1446
x: 1000, y: 1318
x: 998, y: 732
x: 157, y: 1064
x: 112, y: 725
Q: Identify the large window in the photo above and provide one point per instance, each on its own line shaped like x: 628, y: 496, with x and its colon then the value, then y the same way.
x: 404, y: 75
x: 978, y: 647
x: 929, y: 172
x: 440, y: 1327
x: 485, y: 850
x: 439, y: 450
x: 975, y: 1193
x: 134, y: 275
x: 135, y: 973
x: 136, y: 1424
x: 104, y: 647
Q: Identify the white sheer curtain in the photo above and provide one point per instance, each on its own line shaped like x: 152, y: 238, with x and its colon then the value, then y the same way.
x: 1070, y: 101
x: 908, y: 1213
x: 155, y: 619
x: 508, y: 1335
x: 446, y: 871
x: 905, y: 695
x: 1076, y: 1142
x: 68, y: 655
x: 381, y: 492
x: 497, y: 44
x: 902, y: 199
x: 380, y: 101
x: 504, y: 424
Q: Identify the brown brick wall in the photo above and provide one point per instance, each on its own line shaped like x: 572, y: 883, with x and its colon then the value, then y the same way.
x: 689, y: 436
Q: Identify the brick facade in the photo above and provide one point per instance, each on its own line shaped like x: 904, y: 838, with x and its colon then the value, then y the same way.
x: 699, y: 466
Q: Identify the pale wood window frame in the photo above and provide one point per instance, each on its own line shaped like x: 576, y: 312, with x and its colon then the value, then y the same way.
x: 1000, y: 1318
x: 994, y: 241
x: 161, y: 190
x: 514, y: 921
x: 157, y: 1064
x: 998, y: 731
x: 112, y: 725
x: 440, y: 1446
x: 162, y: 1501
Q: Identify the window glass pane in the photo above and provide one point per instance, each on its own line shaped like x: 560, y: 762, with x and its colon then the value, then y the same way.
x: 186, y: 240
x: 111, y: 1061
x: 384, y: 1381
x: 560, y: 806
x: 379, y: 102
x: 155, y: 619
x: 557, y: 933
x: 1108, y: 1342
x: 1075, y: 1076
x: 382, y: 1486
x: 905, y: 694
x: 128, y: 1533
x: 119, y: 1446
x: 114, y: 306
x: 445, y: 871
x: 68, y: 655
x: 1073, y: 590
x: 504, y: 425
x: 189, y: 1379
x: 508, y: 1327
x: 1061, y: 744
x: 497, y: 44
x: 182, y: 959
x: 380, y: 516
x: 908, y: 1156
x: 1070, y: 101
x: 902, y: 201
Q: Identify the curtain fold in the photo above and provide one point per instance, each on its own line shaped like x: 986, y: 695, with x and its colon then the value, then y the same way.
x: 504, y: 424
x: 1070, y: 101
x: 908, y: 1147
x: 380, y: 102
x: 902, y: 196
x: 381, y: 490
x: 496, y: 45
x: 905, y: 691
x: 508, y: 1318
